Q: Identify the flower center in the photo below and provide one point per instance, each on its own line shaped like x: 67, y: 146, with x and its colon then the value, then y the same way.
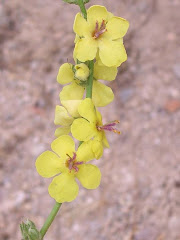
x: 109, y: 127
x: 99, y: 29
x: 72, y: 164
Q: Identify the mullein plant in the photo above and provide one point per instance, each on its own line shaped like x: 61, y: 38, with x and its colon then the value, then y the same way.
x: 98, y: 52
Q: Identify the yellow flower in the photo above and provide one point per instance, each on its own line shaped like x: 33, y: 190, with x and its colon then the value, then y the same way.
x: 71, y: 164
x: 65, y: 115
x: 102, y: 94
x: 100, y: 34
x: 90, y: 127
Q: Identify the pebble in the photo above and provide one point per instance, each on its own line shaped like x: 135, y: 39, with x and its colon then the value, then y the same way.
x: 171, y: 36
x: 148, y: 233
x: 76, y: 227
x: 172, y: 105
x: 20, y: 198
x: 174, y: 92
x: 176, y: 70
x: 125, y: 94
x: 14, y: 202
x: 174, y: 225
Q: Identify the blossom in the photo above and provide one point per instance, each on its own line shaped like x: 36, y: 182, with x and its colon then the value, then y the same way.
x: 90, y: 127
x: 71, y: 164
x: 102, y: 34
x: 65, y: 115
x: 77, y: 77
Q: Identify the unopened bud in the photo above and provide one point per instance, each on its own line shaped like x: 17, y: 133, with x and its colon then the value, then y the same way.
x: 29, y: 231
x: 81, y: 72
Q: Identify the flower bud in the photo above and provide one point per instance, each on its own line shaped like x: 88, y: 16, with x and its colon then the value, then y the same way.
x: 29, y: 231
x: 81, y: 72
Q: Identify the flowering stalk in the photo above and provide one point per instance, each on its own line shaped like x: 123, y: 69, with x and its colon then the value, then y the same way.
x: 57, y: 205
x: 91, y: 63
x: 99, y: 50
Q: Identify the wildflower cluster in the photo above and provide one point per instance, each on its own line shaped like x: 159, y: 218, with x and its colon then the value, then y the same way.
x: 98, y: 52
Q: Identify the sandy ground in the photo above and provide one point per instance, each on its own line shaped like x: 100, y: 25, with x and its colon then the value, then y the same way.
x: 139, y: 197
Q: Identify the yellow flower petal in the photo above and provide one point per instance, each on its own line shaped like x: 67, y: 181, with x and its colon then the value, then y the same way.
x: 62, y: 131
x: 98, y: 60
x: 105, y: 141
x: 97, y: 148
x: 89, y: 176
x: 81, y: 26
x: 110, y: 15
x: 82, y: 130
x: 48, y: 164
x: 87, y: 110
x: 63, y: 145
x: 75, y: 41
x: 86, y: 49
x: 99, y: 136
x: 65, y: 74
x: 96, y: 13
x: 62, y: 117
x: 102, y: 95
x: 72, y: 92
x: 99, y: 118
x: 72, y: 107
x: 63, y: 188
x: 120, y: 40
x: 116, y: 28
x: 104, y: 73
x: 112, y: 53
x: 84, y: 152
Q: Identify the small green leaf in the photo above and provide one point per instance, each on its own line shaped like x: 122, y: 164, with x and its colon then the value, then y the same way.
x: 29, y: 231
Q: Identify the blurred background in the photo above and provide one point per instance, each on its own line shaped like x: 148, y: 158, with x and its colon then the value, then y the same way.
x: 139, y: 197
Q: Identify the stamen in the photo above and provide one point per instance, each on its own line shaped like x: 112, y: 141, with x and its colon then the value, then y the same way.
x: 102, y: 25
x: 97, y: 26
x: 72, y: 164
x: 74, y: 156
x: 99, y: 30
x: 109, y: 127
x: 111, y: 124
x: 76, y: 168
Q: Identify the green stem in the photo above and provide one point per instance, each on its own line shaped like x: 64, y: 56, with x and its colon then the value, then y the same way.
x: 91, y: 63
x: 83, y: 9
x: 90, y: 80
x: 50, y: 219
